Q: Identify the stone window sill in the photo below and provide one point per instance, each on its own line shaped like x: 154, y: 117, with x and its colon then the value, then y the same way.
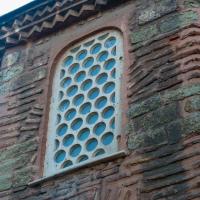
x: 73, y: 169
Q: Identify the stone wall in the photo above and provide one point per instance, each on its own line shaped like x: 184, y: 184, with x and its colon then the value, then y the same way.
x: 163, y: 157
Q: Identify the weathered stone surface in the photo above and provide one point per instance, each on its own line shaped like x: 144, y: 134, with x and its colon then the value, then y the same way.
x: 28, y: 78
x: 5, y: 182
x: 193, y: 104
x: 6, y: 170
x: 184, y: 126
x: 4, y: 88
x: 155, y: 102
x: 8, y: 165
x: 22, y: 160
x: 10, y: 73
x: 18, y: 149
x: 172, y: 133
x: 156, y: 10
x: 10, y: 59
x: 178, y: 21
x: 22, y: 177
x: 147, y: 138
x: 192, y: 3
x: 17, y: 81
x: 163, y: 92
x: 167, y: 24
x: 145, y: 33
x: 156, y: 118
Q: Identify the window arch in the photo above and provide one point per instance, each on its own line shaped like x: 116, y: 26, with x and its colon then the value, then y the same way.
x: 85, y: 113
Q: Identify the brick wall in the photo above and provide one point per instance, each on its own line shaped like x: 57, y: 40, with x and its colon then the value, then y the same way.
x: 163, y: 160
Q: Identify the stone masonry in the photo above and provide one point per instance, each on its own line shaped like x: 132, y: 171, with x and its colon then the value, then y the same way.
x: 161, y: 133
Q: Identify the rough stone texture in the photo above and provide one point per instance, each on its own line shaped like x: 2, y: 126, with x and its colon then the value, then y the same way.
x: 154, y: 10
x: 163, y: 162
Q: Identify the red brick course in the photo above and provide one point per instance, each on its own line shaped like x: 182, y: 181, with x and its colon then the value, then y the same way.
x: 160, y: 131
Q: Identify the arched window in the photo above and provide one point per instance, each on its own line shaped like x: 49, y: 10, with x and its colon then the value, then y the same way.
x: 85, y: 112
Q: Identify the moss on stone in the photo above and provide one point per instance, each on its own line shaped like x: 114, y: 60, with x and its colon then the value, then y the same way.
x: 5, y: 181
x: 148, y: 138
x: 8, y: 165
x: 18, y: 149
x: 193, y: 104
x: 157, y: 101
x: 190, y: 124
x: 144, y: 106
x: 167, y: 24
x: 156, y: 118
x: 156, y: 10
x: 144, y: 33
x: 4, y: 88
x: 171, y: 133
x: 22, y: 177
x: 10, y: 73
x: 192, y: 3
x: 178, y: 21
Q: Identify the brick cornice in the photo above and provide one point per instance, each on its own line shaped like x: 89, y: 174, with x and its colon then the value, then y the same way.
x: 39, y: 18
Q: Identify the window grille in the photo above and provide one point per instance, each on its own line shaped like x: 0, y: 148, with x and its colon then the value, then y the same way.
x: 85, y: 112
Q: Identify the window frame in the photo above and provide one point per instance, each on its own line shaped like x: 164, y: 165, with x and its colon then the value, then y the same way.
x: 119, y: 20
x: 118, y: 106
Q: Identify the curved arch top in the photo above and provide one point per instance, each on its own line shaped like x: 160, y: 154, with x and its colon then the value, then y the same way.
x: 85, y: 117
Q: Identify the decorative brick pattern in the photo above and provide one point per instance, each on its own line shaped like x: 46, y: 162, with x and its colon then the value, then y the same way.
x: 163, y: 161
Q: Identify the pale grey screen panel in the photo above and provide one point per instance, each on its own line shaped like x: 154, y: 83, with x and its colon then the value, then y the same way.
x: 85, y: 108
